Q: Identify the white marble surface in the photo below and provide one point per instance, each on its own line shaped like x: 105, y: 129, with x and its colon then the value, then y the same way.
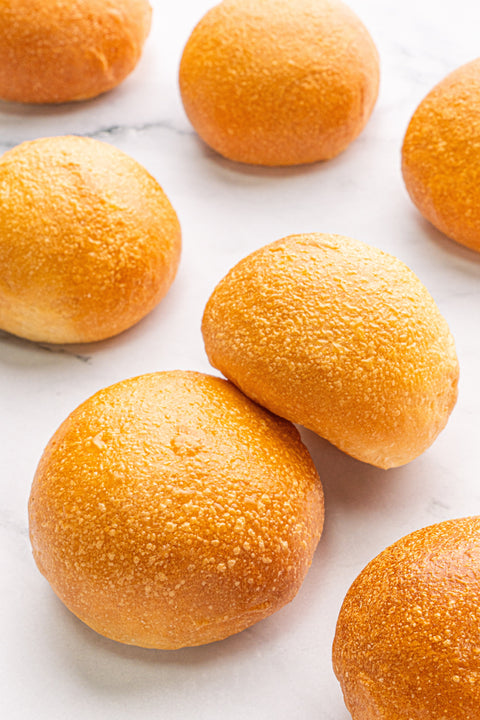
x: 51, y: 665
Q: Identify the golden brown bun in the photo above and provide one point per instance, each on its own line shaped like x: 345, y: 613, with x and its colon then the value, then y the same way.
x: 169, y: 510
x: 408, y: 635
x: 279, y: 82
x: 340, y: 337
x: 53, y: 52
x: 89, y: 242
x: 441, y: 156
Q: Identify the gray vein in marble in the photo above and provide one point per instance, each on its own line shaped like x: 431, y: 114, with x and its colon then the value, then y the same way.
x: 111, y: 131
x: 58, y: 349
x: 141, y: 128
x: 62, y: 350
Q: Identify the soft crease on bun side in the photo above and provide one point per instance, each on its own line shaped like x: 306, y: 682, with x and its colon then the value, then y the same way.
x: 339, y: 337
x: 54, y: 52
x: 408, y: 634
x: 169, y: 510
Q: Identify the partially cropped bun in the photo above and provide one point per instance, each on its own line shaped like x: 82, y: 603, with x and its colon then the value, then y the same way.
x: 441, y: 156
x: 407, y: 643
x: 169, y: 510
x: 279, y: 82
x: 89, y: 242
x: 53, y: 52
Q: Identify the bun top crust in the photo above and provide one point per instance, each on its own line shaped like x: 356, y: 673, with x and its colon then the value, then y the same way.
x: 89, y: 242
x: 53, y: 51
x: 441, y: 156
x: 170, y: 510
x: 279, y: 82
x: 408, y: 634
x: 339, y: 337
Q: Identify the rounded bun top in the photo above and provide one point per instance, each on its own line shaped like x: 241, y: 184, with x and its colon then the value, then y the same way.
x: 340, y: 337
x: 170, y: 510
x: 441, y: 156
x: 279, y: 82
x: 89, y: 242
x: 408, y: 634
x: 53, y: 51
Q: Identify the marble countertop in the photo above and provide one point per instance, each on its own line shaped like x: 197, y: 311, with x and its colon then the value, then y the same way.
x: 51, y: 665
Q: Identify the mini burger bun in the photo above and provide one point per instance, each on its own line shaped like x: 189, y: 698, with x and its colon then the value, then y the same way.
x: 169, y: 510
x: 441, y: 156
x: 338, y: 336
x: 279, y: 82
x: 89, y: 242
x: 408, y: 634
x: 54, y: 52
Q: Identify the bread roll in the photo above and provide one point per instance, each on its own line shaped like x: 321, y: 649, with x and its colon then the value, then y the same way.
x: 279, y: 82
x: 408, y: 634
x: 169, y: 510
x: 53, y: 51
x: 441, y: 156
x: 340, y: 337
x: 89, y: 242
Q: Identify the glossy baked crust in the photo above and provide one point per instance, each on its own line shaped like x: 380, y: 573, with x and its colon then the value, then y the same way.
x: 169, y: 510
x: 340, y: 337
x: 89, y: 242
x: 279, y: 82
x: 408, y: 634
x: 53, y: 51
x: 441, y: 156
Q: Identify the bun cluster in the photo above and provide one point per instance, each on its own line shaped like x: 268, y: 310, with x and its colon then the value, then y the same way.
x: 176, y: 508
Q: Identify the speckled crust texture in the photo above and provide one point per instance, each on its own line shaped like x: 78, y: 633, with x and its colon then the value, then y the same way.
x: 441, y: 156
x: 407, y: 644
x: 54, y: 51
x: 89, y: 242
x: 170, y: 510
x: 279, y: 82
x: 340, y: 337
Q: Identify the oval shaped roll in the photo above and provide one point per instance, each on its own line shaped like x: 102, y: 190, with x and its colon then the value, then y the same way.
x: 55, y: 52
x: 340, y: 337
x: 279, y: 82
